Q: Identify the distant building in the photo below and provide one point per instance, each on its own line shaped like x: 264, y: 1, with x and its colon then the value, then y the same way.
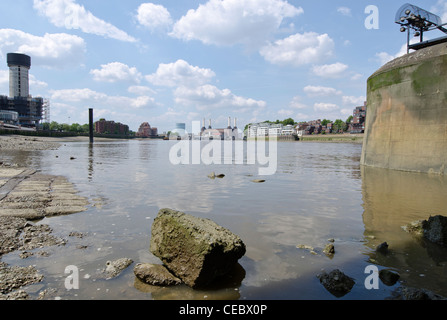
x: 111, y: 127
x: 146, y: 131
x: 228, y: 133
x: 29, y: 109
x: 270, y: 129
x: 357, y: 124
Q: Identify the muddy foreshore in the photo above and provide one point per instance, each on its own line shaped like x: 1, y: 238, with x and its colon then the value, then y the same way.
x: 27, y: 196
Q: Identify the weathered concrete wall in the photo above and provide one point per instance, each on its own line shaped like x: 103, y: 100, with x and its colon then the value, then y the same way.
x: 406, y: 123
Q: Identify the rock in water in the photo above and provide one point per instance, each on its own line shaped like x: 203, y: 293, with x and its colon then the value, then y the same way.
x: 337, y: 283
x: 195, y: 250
x: 434, y: 229
x: 156, y: 275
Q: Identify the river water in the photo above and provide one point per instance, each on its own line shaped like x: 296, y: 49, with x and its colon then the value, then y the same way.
x: 319, y: 192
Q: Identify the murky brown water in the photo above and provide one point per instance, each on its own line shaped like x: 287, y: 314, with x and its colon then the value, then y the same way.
x: 319, y: 192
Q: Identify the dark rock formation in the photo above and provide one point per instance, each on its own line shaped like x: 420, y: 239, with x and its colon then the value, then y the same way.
x: 434, y: 229
x: 337, y: 283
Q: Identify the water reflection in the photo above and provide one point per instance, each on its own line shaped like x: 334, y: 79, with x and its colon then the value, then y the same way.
x: 226, y: 288
x: 393, y: 199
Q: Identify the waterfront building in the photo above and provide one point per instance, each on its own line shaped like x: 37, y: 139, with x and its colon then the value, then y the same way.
x: 270, y: 129
x: 357, y: 124
x: 29, y: 109
x: 146, y: 131
x: 9, y: 117
x: 111, y: 127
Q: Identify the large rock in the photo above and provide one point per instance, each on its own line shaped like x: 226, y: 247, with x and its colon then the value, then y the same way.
x: 434, y: 229
x: 195, y: 250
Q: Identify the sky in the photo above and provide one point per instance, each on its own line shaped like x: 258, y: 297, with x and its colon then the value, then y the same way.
x: 171, y: 61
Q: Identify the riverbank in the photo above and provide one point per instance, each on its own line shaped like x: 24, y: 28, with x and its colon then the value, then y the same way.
x: 26, y: 143
x: 27, y: 196
x: 340, y: 138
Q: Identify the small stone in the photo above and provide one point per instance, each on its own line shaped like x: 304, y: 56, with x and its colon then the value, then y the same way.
x: 156, y: 275
x: 258, y: 181
x: 388, y: 277
x: 382, y: 248
x: 329, y: 249
x: 212, y: 175
x: 114, y: 268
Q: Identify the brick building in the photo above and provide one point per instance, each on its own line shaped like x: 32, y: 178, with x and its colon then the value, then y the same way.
x: 111, y: 127
x: 146, y: 131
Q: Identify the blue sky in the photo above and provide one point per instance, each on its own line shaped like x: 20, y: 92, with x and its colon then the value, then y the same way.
x: 170, y: 61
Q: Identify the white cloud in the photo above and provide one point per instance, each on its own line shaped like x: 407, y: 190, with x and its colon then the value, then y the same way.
x: 299, y: 49
x: 210, y: 97
x: 70, y: 15
x: 440, y: 9
x: 101, y: 99
x: 326, y: 107
x: 116, y: 71
x: 351, y: 100
x: 154, y: 17
x: 53, y: 50
x: 385, y: 57
x: 4, y: 77
x: 285, y: 113
x: 297, y: 104
x: 230, y: 22
x: 347, y: 112
x: 345, y: 11
x: 335, y: 70
x: 36, y: 84
x: 141, y: 90
x: 315, y: 91
x: 180, y: 73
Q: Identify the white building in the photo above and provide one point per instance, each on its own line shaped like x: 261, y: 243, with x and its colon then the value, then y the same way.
x: 19, y: 66
x: 269, y: 129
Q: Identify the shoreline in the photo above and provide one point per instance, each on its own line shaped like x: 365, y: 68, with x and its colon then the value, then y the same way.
x: 26, y: 197
x: 334, y: 138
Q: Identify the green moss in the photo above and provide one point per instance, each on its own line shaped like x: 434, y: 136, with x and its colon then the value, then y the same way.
x: 385, y: 79
x: 429, y: 76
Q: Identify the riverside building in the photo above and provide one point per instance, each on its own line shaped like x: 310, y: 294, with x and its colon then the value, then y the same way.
x: 29, y: 109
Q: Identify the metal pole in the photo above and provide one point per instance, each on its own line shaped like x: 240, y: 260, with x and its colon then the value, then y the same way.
x: 408, y: 39
x: 91, y: 125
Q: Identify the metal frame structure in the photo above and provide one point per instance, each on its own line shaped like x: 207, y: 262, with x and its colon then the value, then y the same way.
x: 411, y: 17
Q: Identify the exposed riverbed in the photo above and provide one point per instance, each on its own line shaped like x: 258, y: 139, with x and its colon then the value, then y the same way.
x: 318, y: 193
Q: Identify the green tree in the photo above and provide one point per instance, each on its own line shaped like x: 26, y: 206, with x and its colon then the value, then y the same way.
x: 288, y: 121
x: 54, y: 126
x: 45, y: 126
x: 325, y: 122
x: 349, y: 119
x: 339, y: 125
x: 76, y: 127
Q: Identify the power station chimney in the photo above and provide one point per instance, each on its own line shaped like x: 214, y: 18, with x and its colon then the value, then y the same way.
x: 229, y: 123
x: 19, y: 66
x: 210, y: 125
x: 204, y: 125
x: 235, y: 124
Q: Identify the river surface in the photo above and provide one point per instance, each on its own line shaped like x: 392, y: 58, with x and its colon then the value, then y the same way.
x: 319, y: 192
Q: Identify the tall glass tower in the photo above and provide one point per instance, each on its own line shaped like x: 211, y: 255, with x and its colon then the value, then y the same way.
x: 19, y: 66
